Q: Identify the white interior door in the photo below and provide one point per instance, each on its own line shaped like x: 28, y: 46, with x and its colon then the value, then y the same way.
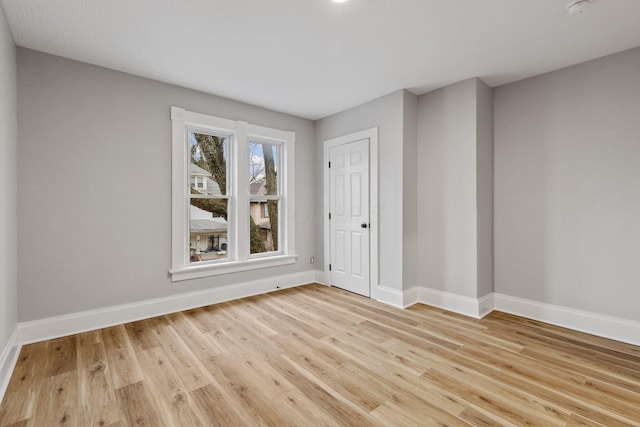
x: 349, y: 216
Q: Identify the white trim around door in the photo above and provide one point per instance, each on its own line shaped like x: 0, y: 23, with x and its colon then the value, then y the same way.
x: 372, y: 136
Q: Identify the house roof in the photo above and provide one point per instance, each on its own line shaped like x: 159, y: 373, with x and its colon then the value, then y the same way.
x: 203, y: 226
x: 258, y: 188
x: 264, y: 223
x: 203, y: 222
x: 197, y: 170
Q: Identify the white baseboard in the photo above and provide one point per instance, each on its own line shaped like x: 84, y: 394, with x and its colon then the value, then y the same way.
x: 472, y: 307
x: 59, y: 326
x: 390, y: 296
x: 614, y: 328
x: 411, y: 296
x: 486, y: 304
x: 38, y: 330
x: 8, y: 359
x: 322, y: 277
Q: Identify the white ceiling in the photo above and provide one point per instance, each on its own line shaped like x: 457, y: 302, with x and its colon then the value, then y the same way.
x: 313, y: 58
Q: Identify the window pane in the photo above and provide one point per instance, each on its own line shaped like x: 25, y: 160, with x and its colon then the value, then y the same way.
x: 264, y: 166
x: 208, y: 165
x: 208, y: 230
x: 263, y: 232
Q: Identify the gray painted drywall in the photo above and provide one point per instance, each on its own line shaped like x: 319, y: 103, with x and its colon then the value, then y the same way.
x: 484, y: 164
x: 8, y: 184
x: 447, y: 227
x: 410, y: 190
x: 386, y: 113
x: 567, y: 195
x: 94, y: 202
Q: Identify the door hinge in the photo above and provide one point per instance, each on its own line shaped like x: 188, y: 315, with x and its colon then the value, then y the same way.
x: 329, y: 267
x: 329, y: 215
x: 329, y: 165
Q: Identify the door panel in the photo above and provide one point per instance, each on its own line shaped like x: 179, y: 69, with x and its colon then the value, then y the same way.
x: 349, y: 207
x: 339, y: 250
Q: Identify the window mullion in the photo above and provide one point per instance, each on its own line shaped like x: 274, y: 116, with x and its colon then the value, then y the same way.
x: 240, y: 192
x: 207, y: 196
x: 263, y: 198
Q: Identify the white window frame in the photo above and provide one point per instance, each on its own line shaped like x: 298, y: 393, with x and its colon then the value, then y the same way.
x: 239, y: 206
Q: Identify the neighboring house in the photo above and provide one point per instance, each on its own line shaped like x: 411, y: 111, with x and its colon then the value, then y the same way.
x: 201, y: 181
x: 260, y: 213
x: 208, y: 233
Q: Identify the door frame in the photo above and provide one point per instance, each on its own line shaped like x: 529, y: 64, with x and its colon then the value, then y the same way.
x: 372, y: 135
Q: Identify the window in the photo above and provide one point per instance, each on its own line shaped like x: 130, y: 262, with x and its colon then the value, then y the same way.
x: 265, y: 193
x: 232, y: 196
x: 208, y: 194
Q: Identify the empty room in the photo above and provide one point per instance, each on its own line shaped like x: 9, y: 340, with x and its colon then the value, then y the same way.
x: 319, y: 213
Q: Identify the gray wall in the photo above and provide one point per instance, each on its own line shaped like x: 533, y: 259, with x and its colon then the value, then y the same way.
x: 484, y: 164
x: 386, y: 113
x: 94, y: 168
x: 447, y: 193
x: 567, y: 187
x: 8, y: 184
x: 410, y: 258
x: 94, y: 178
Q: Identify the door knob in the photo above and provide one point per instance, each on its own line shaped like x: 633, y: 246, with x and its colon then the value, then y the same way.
x: 364, y: 225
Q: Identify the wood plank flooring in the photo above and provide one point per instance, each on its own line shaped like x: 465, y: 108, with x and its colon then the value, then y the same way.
x: 319, y: 356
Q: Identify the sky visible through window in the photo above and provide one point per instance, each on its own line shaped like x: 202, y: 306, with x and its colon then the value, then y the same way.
x: 256, y: 160
x: 256, y: 157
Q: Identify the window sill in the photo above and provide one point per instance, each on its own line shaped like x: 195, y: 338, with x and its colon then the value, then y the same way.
x: 198, y: 271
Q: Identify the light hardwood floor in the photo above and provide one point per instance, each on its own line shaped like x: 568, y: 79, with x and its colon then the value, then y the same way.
x: 315, y: 356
